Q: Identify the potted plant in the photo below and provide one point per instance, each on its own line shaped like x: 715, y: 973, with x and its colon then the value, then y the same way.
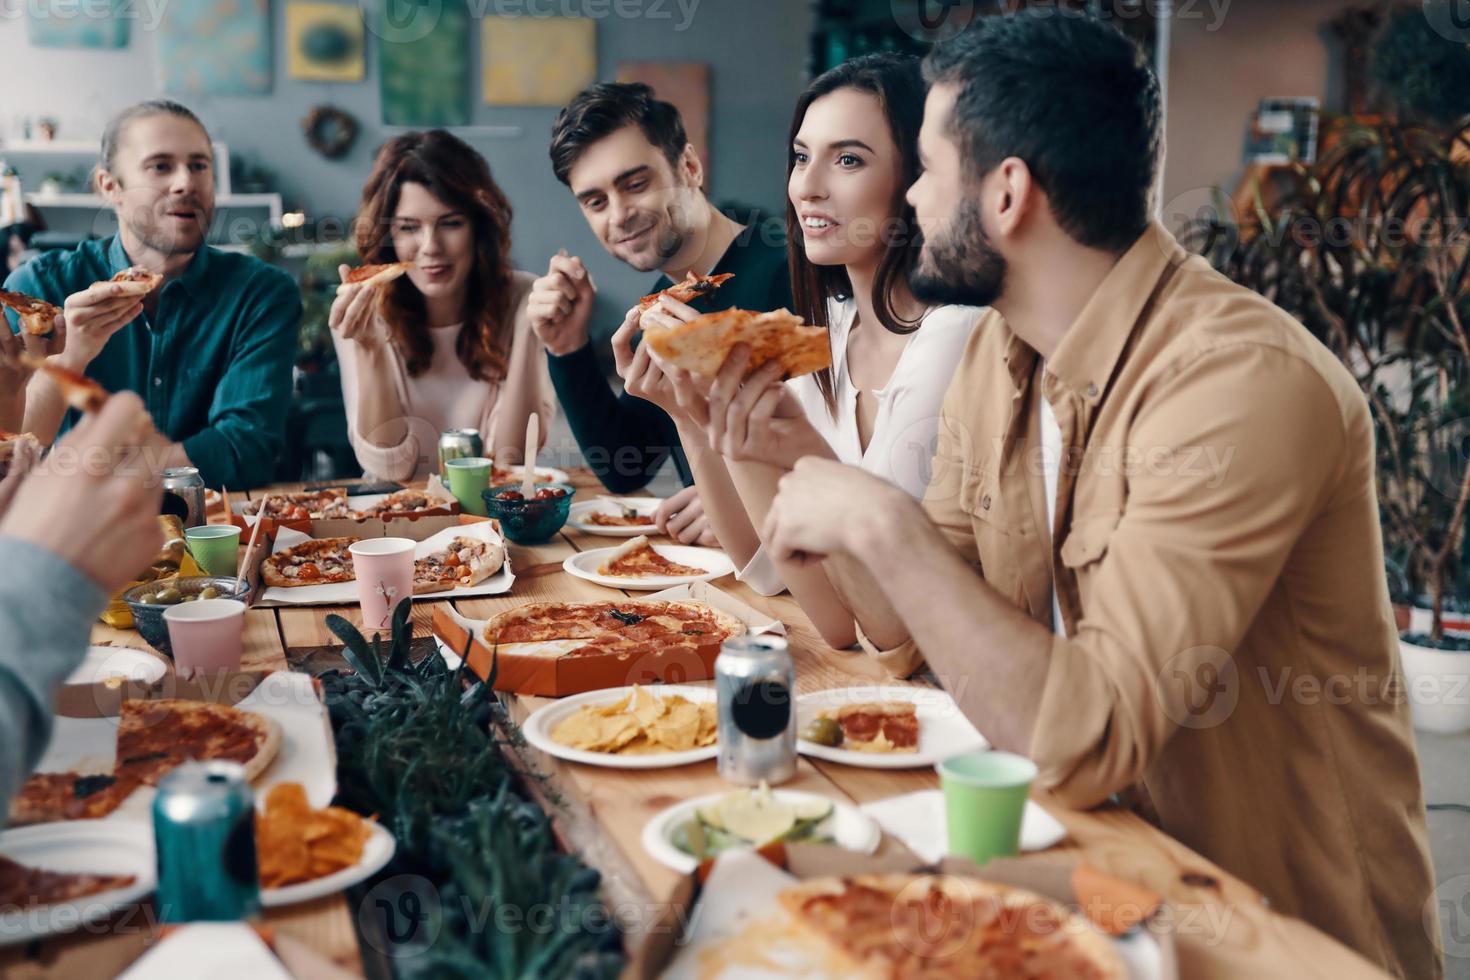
x: 1368, y: 248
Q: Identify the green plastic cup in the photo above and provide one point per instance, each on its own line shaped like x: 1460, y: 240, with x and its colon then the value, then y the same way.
x: 467, y: 477
x: 984, y: 801
x: 216, y: 547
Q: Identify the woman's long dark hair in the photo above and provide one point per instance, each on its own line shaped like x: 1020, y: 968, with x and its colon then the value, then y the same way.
x: 460, y: 178
x: 898, y: 83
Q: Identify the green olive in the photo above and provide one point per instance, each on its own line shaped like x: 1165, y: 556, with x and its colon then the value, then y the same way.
x: 209, y: 592
x: 169, y: 597
x: 823, y: 731
x: 190, y: 598
x: 148, y: 599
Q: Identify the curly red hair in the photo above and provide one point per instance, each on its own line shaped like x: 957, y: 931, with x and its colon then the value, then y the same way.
x: 459, y: 177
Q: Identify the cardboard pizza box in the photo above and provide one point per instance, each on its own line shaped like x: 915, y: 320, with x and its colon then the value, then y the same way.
x: 555, y: 677
x: 742, y: 888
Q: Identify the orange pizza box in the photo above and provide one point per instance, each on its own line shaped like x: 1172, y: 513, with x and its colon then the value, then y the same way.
x: 554, y: 676
x: 721, y: 909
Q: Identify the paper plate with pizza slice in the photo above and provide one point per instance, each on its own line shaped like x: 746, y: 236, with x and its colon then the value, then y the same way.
x: 615, y: 517
x: 639, y: 565
x: 638, y: 727
x: 457, y: 562
x: 57, y: 877
x: 888, y: 727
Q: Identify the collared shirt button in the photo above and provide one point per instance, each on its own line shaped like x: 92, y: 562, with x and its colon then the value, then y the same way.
x: 157, y: 382
x: 1091, y: 391
x: 985, y: 502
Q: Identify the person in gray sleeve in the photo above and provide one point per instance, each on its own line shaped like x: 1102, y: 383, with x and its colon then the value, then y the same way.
x: 73, y: 530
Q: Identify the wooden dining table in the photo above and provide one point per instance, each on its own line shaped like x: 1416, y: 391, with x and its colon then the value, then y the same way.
x: 1222, y: 927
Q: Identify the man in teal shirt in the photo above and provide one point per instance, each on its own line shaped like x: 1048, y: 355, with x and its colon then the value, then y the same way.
x: 210, y: 350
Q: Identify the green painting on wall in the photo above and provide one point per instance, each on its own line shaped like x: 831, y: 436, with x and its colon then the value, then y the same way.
x: 215, y: 47
x: 423, y: 60
x: 65, y: 24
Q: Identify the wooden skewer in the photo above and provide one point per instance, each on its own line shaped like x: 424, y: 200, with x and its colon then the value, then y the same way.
x: 528, y: 463
x: 250, y: 548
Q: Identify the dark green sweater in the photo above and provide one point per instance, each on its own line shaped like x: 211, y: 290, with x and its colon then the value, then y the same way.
x: 626, y: 439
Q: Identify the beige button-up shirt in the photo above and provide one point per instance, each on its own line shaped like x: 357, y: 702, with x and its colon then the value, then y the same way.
x: 1230, y: 649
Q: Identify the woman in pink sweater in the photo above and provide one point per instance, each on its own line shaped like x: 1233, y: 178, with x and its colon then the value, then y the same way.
x: 448, y: 344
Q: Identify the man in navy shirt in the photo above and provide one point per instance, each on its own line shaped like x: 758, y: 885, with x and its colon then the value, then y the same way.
x: 626, y: 158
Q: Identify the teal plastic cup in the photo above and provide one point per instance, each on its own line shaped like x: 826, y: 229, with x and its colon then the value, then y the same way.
x: 984, y: 801
x: 468, y: 477
x: 216, y: 547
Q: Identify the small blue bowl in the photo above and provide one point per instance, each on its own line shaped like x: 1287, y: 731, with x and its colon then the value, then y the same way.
x: 148, y: 616
x: 529, y: 521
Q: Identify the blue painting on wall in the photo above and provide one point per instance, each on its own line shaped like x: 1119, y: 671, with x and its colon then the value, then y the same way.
x: 215, y: 47
x: 67, y: 24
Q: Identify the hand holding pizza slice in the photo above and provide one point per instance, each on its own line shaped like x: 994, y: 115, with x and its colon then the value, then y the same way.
x: 136, y: 282
x: 37, y: 317
x: 373, y: 275
x: 701, y: 345
x: 80, y: 391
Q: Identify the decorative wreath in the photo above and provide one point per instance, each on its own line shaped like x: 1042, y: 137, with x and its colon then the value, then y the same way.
x: 329, y: 130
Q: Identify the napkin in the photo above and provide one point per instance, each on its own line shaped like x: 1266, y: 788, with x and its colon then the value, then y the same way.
x: 917, y: 819
x: 219, y: 950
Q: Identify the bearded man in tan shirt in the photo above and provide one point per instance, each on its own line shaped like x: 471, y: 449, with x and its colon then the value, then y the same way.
x: 1149, y: 557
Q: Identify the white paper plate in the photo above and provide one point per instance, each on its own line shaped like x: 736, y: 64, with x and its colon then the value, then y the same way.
x: 577, y: 518
x: 376, y: 853
x: 108, y: 663
x: 848, y: 826
x: 584, y: 565
x: 345, y: 593
x: 543, y: 720
x: 78, y: 846
x: 943, y: 730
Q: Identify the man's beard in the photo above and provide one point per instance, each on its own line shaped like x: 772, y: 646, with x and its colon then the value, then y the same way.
x: 961, y: 268
x: 668, y: 240
x: 147, y: 228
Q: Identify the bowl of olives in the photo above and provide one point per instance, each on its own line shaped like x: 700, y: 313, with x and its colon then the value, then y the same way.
x: 149, y: 600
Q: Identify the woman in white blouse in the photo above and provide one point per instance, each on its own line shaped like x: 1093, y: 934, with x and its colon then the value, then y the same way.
x: 853, y: 155
x: 448, y: 345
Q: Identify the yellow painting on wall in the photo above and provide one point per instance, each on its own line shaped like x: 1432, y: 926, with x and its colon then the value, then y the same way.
x: 324, y: 42
x: 537, y: 60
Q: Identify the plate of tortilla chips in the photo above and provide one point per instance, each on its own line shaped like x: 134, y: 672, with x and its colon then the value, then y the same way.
x: 304, y: 853
x: 629, y: 727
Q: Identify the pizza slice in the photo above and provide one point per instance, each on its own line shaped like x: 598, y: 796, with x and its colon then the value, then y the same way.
x: 9, y: 441
x: 691, y: 287
x: 465, y: 562
x: 320, y: 561
x: 701, y: 345
x: 137, y: 282
x: 24, y: 887
x: 374, y: 275
x: 635, y: 558
x: 404, y: 502
x: 302, y: 505
x: 80, y: 391
x: 877, y: 726
x: 625, y: 517
x: 37, y: 317
x: 915, y: 925
x: 156, y: 737
x: 47, y: 797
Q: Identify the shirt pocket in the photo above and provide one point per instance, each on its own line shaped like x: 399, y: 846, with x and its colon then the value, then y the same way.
x: 1088, y: 538
x: 981, y: 499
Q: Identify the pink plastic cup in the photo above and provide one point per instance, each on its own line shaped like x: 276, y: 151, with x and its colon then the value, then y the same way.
x: 384, y: 571
x: 206, y: 635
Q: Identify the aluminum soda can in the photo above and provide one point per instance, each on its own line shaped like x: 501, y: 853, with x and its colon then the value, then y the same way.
x: 459, y: 444
x: 754, y: 683
x: 204, y: 830
x: 183, y: 495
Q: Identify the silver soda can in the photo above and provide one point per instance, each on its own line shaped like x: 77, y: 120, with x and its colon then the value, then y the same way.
x: 754, y: 680
x: 183, y: 495
x: 204, y: 829
x: 459, y: 444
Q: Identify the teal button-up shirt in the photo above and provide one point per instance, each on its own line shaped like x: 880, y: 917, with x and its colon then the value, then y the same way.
x: 213, y: 362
